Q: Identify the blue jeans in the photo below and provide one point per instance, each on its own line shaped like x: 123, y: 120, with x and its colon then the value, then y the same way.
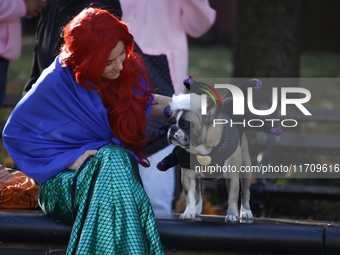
x: 3, y: 78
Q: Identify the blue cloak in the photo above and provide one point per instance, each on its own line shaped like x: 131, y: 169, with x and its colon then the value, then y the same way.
x: 55, y: 123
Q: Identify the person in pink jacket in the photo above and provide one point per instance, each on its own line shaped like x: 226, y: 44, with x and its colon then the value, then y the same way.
x: 11, y: 12
x: 162, y: 27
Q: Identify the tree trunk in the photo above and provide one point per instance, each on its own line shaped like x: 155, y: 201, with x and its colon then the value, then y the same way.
x: 268, y: 38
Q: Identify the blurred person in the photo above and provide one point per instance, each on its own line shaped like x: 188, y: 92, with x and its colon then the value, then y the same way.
x: 162, y: 27
x: 79, y: 131
x: 11, y: 12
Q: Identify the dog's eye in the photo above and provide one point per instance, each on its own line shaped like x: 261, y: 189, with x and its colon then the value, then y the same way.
x: 184, y: 123
x: 172, y: 121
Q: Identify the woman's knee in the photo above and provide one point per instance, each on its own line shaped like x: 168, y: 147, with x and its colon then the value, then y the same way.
x: 112, y: 151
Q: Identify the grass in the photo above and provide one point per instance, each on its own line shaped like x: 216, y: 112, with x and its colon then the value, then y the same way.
x: 210, y: 62
x: 216, y: 61
x: 19, y: 70
x: 320, y: 65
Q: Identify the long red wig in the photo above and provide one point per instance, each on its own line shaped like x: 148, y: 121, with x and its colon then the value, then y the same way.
x: 88, y: 41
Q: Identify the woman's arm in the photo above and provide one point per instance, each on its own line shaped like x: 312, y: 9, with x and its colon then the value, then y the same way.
x: 197, y: 17
x: 11, y: 10
x: 160, y: 102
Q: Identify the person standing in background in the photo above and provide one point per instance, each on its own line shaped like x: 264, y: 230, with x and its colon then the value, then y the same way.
x: 162, y: 27
x: 11, y: 12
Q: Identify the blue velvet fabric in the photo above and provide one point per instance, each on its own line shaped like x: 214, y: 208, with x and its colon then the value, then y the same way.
x: 54, y: 123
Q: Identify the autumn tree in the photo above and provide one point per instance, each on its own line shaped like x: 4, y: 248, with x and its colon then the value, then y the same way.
x: 268, y: 38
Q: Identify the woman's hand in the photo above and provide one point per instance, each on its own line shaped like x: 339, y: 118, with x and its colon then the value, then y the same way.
x: 77, y: 164
x: 33, y: 7
x: 160, y: 102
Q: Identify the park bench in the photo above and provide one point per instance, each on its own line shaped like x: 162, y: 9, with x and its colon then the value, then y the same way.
x: 30, y: 232
x: 291, y: 148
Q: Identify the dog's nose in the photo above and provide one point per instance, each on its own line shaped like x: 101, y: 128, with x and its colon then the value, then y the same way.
x: 174, y: 128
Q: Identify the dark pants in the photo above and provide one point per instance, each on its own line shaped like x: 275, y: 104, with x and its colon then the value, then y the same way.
x: 3, y: 78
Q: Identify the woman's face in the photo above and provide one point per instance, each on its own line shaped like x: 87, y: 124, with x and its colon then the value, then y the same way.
x: 115, y: 62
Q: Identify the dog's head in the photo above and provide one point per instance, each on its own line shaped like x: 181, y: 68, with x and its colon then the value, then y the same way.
x: 190, y: 129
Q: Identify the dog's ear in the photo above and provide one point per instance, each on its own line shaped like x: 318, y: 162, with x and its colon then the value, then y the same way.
x: 214, y: 109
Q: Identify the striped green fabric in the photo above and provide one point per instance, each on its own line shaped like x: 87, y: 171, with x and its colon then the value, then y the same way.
x: 113, y: 212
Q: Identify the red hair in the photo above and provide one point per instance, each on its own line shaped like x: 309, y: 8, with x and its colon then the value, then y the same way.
x: 88, y: 41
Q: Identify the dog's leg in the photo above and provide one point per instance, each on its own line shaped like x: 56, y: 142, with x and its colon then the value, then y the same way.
x: 245, y: 181
x: 245, y: 197
x: 198, y: 195
x: 233, y: 186
x: 189, y: 186
x: 233, y: 190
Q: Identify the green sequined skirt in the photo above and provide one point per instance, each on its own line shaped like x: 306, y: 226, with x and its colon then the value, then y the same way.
x: 110, y: 209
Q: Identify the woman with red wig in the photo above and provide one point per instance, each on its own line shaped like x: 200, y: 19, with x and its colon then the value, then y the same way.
x: 79, y: 131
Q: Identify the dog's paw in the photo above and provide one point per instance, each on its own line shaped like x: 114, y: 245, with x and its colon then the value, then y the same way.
x: 276, y: 130
x: 232, y: 214
x: 198, y: 210
x: 161, y: 165
x: 232, y: 218
x: 246, y: 215
x: 187, y: 216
